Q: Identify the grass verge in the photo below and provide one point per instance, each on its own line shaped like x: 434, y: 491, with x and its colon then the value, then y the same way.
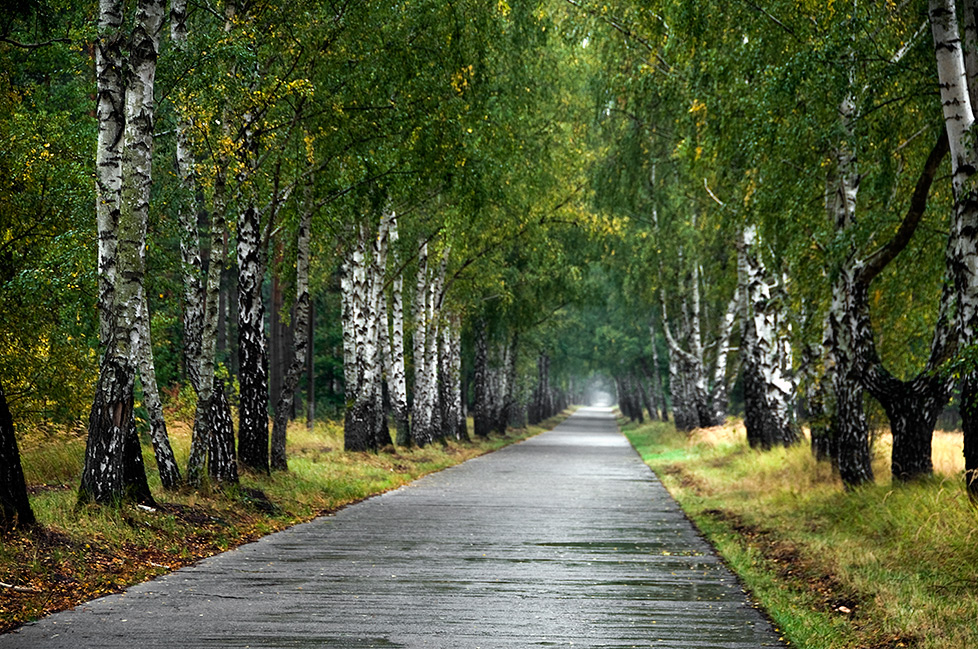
x: 81, y: 553
x: 882, y: 567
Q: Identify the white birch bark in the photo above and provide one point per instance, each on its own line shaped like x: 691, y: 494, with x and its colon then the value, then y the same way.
x: 357, y: 423
x: 721, y: 385
x: 958, y: 88
x: 252, y: 377
x: 110, y: 115
x: 767, y: 390
x: 377, y: 331
x: 137, y: 180
x: 203, y: 419
x: 686, y: 382
x: 850, y: 446
x: 431, y: 366
x: 660, y: 394
x: 113, y: 461
x: 397, y: 379
x: 349, y: 331
x: 365, y: 426
x: 420, y: 416
x: 461, y: 432
x: 193, y: 286
x: 959, y: 119
x: 445, y: 402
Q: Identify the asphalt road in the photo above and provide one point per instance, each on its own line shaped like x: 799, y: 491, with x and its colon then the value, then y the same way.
x: 567, y: 539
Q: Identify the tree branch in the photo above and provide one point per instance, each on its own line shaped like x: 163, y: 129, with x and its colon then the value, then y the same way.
x: 34, y: 46
x: 877, y: 261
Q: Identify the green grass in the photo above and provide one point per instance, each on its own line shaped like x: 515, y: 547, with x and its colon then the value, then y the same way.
x: 80, y: 553
x: 887, y: 565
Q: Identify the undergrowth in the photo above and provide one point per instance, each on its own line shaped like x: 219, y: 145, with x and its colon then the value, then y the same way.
x: 887, y: 565
x: 80, y: 553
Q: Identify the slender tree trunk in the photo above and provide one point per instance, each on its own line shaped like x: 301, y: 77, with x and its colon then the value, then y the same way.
x: 397, y: 379
x: 721, y: 386
x: 212, y: 409
x: 690, y: 399
x: 363, y: 289
x: 430, y: 393
x: 358, y: 421
x: 656, y: 375
x: 166, y: 462
x: 222, y: 466
x: 114, y: 469
x: 646, y: 394
x: 817, y: 382
x: 137, y: 162
x: 482, y: 415
x: 311, y: 367
x: 446, y: 379
x: 15, y: 508
x: 957, y: 88
x: 767, y: 391
x: 510, y: 398
x: 253, y: 377
x: 189, y: 219
x: 461, y: 430
x: 420, y: 421
x: 110, y: 114
x: 279, y: 461
x: 381, y: 332
x: 278, y: 358
x: 851, y: 432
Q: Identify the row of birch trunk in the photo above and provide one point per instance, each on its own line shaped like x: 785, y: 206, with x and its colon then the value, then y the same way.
x: 845, y: 366
x: 700, y: 383
x: 126, y: 62
x: 374, y: 345
x: 376, y: 320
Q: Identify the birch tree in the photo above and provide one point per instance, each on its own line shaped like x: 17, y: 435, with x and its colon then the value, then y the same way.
x: 363, y: 275
x: 397, y: 378
x: 957, y: 69
x: 768, y: 388
x: 113, y: 461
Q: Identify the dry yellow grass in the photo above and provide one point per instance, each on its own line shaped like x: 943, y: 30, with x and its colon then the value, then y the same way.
x: 887, y: 565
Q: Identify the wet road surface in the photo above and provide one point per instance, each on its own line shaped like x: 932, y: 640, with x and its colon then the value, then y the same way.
x: 567, y: 539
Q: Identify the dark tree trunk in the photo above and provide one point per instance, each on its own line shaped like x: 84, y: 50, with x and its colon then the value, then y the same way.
x: 16, y: 508
x: 851, y: 442
x: 765, y: 430
x: 114, y: 470
x: 820, y: 425
x: 358, y: 427
x: 643, y: 392
x: 222, y: 319
x: 482, y: 412
x: 222, y: 465
x: 253, y: 376
x: 277, y: 360
x: 969, y: 421
x: 650, y: 393
x: 311, y: 368
x: 633, y: 391
x: 912, y: 408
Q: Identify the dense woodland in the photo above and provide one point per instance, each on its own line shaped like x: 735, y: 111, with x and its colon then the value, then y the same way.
x: 400, y: 214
